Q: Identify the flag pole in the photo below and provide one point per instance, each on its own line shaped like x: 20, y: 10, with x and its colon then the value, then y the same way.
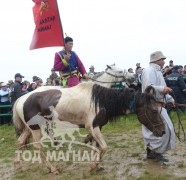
x: 60, y: 24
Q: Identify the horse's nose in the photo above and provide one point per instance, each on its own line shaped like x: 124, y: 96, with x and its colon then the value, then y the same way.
x: 163, y: 132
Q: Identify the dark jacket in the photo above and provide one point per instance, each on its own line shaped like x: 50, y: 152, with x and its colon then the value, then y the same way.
x: 16, y: 91
x: 176, y: 82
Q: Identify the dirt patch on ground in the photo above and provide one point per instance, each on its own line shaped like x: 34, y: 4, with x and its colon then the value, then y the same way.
x: 6, y: 169
x: 125, y: 159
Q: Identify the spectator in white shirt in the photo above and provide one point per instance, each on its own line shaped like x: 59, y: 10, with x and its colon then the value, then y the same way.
x: 4, y: 100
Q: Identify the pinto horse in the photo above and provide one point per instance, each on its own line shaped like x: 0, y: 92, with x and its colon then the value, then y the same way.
x: 87, y: 105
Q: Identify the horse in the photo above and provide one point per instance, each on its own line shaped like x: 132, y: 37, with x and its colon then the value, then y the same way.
x: 86, y: 105
x: 111, y: 74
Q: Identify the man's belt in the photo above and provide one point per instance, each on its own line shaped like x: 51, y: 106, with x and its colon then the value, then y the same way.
x: 67, y: 75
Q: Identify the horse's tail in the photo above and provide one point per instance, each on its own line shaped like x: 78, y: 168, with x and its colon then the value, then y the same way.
x: 18, y: 123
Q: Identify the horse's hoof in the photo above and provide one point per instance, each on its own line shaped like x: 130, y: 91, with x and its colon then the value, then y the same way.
x: 100, y: 168
x: 56, y: 172
x: 92, y: 167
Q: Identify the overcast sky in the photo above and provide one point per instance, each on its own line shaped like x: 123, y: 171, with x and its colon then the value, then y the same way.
x: 104, y: 31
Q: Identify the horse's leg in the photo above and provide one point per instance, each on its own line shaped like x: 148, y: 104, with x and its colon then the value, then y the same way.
x: 96, y: 156
x: 96, y: 134
x: 89, y: 138
x: 37, y: 136
x: 21, y: 142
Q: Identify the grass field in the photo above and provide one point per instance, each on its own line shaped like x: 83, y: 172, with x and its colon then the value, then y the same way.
x: 125, y: 158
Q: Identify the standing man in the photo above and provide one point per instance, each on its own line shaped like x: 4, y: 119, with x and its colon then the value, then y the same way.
x: 16, y: 93
x: 152, y: 75
x: 69, y: 65
x: 17, y: 88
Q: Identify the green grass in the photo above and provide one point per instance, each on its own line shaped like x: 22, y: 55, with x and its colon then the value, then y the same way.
x: 123, y: 135
x: 7, y: 141
x: 122, y: 124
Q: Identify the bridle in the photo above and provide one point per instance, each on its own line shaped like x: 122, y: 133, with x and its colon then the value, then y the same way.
x: 154, y: 127
x: 113, y: 75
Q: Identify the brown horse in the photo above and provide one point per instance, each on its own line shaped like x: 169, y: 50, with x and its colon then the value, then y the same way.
x: 87, y: 105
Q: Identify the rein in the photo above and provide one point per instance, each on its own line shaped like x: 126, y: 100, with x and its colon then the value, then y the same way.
x: 180, y: 125
x: 153, y: 126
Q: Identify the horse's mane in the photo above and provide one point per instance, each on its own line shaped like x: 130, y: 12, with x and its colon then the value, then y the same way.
x: 113, y: 102
x: 144, y: 98
x: 97, y: 75
x: 116, y: 102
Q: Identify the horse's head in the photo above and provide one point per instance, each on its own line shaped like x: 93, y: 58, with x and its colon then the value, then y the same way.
x: 115, y: 72
x: 148, y: 113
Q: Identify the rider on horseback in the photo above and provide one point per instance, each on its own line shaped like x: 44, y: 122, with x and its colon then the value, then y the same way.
x: 69, y: 64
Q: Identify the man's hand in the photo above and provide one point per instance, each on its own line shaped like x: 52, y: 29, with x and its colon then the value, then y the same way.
x: 173, y: 104
x: 66, y: 57
x: 167, y: 90
x: 86, y: 76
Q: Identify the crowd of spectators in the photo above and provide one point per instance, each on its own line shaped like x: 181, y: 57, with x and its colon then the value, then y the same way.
x: 175, y: 76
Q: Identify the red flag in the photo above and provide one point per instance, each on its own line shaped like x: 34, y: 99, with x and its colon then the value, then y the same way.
x: 48, y: 31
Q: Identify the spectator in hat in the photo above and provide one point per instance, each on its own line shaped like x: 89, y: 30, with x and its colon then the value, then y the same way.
x: 17, y: 88
x: 36, y: 80
x: 91, y: 72
x: 53, y: 75
x: 153, y: 76
x: 16, y: 93
x: 69, y: 65
x: 4, y: 100
x: 176, y: 82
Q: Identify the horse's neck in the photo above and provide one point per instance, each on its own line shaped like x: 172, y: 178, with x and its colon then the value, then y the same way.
x: 105, y: 78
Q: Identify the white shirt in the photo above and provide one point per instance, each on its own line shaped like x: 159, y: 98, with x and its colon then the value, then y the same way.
x: 2, y: 93
x: 154, y: 77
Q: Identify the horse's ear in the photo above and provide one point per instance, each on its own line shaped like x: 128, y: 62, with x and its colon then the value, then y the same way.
x: 109, y: 67
x: 150, y: 90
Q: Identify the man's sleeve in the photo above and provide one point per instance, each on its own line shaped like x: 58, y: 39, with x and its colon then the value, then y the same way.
x: 149, y: 78
x: 59, y: 63
x: 81, y: 66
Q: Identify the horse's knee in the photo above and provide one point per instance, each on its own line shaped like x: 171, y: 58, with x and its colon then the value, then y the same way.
x: 37, y: 146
